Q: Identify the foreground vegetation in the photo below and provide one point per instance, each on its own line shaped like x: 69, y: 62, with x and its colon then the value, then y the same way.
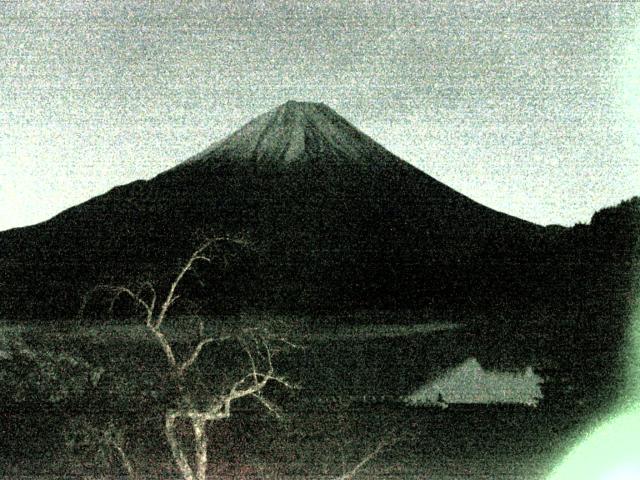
x: 186, y: 396
x: 325, y: 429
x: 341, y: 412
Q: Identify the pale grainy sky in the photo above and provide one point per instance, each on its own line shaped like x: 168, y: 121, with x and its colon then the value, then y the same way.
x: 530, y: 107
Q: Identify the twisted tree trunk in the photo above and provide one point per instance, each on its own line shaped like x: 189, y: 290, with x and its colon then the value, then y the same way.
x: 200, y: 435
x: 178, y: 455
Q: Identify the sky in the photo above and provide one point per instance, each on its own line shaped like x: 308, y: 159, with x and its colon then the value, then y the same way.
x: 529, y: 107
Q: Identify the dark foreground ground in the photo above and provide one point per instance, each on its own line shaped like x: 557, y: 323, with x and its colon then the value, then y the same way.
x: 465, y: 443
x: 349, y: 379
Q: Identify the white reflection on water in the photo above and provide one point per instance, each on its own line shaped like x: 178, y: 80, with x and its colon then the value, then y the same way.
x: 470, y: 383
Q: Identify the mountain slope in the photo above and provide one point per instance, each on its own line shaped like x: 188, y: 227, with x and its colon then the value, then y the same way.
x: 334, y: 219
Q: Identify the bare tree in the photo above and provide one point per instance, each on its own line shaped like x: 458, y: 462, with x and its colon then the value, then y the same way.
x: 259, y: 346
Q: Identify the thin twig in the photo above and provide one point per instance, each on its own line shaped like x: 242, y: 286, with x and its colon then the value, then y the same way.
x: 194, y: 355
x: 367, y: 458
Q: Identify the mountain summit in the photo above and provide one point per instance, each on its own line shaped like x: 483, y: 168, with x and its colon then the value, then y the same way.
x: 334, y: 219
x: 295, y: 132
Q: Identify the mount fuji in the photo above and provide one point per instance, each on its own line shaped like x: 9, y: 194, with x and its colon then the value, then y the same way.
x: 333, y: 218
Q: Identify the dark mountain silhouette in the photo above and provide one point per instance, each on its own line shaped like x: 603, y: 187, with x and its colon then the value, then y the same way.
x: 335, y: 221
x: 578, y: 327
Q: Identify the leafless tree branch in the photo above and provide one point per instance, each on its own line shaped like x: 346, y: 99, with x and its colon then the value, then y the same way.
x: 270, y: 406
x: 194, y: 355
x: 260, y: 346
